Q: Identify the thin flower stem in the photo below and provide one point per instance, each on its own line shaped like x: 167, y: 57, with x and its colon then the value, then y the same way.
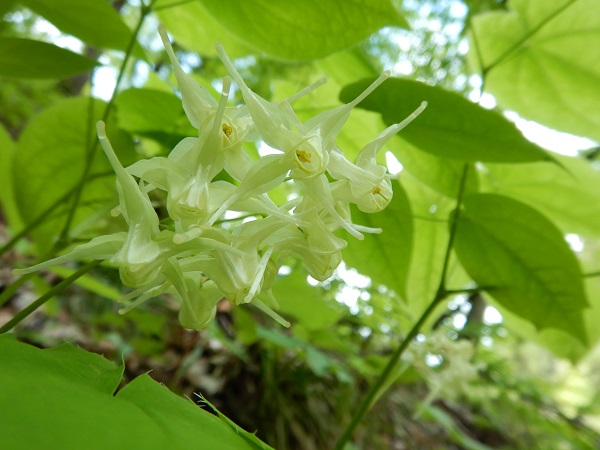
x: 25, y: 312
x: 145, y: 10
x: 441, y: 293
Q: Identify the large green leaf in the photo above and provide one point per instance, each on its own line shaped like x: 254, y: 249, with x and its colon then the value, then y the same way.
x: 384, y: 257
x: 451, y: 126
x: 26, y: 58
x: 507, y: 245
x: 50, y: 158
x: 541, y: 59
x: 95, y: 22
x: 183, y: 20
x: 65, y: 396
x: 571, y: 197
x: 300, y: 300
x: 303, y: 30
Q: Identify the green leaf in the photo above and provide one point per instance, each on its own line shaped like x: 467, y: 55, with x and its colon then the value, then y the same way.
x: 505, y: 244
x: 49, y: 162
x: 318, y: 361
x: 303, y: 30
x: 181, y: 21
x: 66, y: 396
x: 540, y: 59
x: 560, y: 342
x: 570, y: 197
x: 155, y: 114
x: 95, y: 22
x: 26, y: 58
x: 148, y: 110
x: 300, y: 300
x: 279, y: 339
x: 451, y: 126
x: 6, y: 6
x: 441, y: 174
x: 251, y: 437
x: 384, y: 257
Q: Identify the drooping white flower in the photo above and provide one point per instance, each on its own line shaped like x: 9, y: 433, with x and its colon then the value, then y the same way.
x: 305, y: 147
x: 139, y: 247
x: 366, y: 183
x: 206, y: 114
x: 199, y: 259
x: 239, y: 275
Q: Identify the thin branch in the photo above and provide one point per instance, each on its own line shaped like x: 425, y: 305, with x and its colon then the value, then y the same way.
x: 25, y: 312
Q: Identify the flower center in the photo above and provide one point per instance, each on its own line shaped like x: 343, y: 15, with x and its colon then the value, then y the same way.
x: 303, y: 156
x: 227, y: 130
x: 376, y: 191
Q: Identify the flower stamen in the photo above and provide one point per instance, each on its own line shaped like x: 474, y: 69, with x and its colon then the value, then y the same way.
x: 303, y: 156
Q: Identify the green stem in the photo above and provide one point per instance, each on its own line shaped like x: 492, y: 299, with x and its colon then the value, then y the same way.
x: 25, y: 312
x: 440, y: 295
x: 145, y: 10
x: 14, y: 287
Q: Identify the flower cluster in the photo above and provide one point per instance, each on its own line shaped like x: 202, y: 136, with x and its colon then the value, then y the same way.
x: 198, y: 260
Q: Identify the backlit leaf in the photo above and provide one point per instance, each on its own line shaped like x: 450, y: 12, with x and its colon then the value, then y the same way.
x: 95, y: 22
x: 50, y: 158
x: 451, y: 126
x: 507, y: 245
x: 571, y: 197
x: 182, y: 22
x: 541, y: 59
x: 303, y: 30
x: 26, y: 58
